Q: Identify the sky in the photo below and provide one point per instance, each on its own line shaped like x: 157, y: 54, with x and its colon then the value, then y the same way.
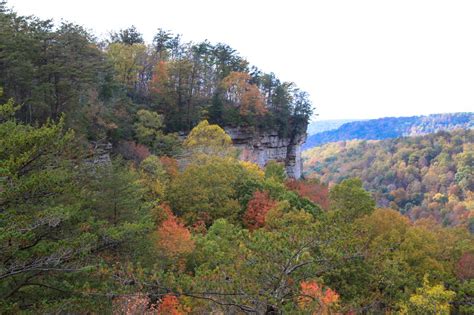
x: 357, y: 59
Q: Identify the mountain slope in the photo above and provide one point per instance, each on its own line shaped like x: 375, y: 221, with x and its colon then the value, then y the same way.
x: 425, y: 176
x: 326, y: 125
x: 392, y: 127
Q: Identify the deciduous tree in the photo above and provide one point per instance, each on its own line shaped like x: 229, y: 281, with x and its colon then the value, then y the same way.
x: 257, y: 208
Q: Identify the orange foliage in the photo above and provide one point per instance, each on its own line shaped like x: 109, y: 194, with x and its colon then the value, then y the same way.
x: 314, y: 191
x: 310, y: 291
x: 170, y: 306
x: 160, y: 77
x: 330, y: 297
x: 314, y: 299
x: 174, y: 239
x: 257, y: 209
x: 244, y: 94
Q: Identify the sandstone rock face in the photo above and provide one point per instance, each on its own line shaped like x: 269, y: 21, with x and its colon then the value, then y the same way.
x: 260, y: 148
x: 99, y: 154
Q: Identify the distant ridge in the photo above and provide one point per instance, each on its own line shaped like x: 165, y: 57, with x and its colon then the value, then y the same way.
x: 392, y: 127
x: 327, y: 125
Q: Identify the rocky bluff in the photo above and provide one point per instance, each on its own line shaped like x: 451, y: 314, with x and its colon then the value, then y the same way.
x: 258, y: 147
x: 262, y: 147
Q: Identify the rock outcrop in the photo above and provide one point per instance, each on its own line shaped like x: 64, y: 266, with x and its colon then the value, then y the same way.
x: 260, y: 148
x: 99, y: 153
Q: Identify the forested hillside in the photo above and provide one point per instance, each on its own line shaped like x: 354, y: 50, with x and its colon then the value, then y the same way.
x: 221, y: 235
x: 101, y: 86
x: 121, y: 193
x: 429, y: 176
x: 392, y: 127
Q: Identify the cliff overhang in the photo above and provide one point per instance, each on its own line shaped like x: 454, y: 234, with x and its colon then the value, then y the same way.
x: 262, y: 147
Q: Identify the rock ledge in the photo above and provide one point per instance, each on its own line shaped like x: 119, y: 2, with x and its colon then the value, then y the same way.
x: 260, y: 148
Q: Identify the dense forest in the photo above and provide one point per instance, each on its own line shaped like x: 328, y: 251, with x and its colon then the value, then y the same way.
x: 392, y: 127
x: 105, y: 87
x: 221, y: 236
x: 121, y: 193
x: 429, y: 176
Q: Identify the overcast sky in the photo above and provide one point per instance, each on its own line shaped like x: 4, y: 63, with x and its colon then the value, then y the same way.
x: 356, y: 58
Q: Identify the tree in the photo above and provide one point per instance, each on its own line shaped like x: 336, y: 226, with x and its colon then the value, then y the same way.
x: 313, y: 299
x: 302, y: 111
x: 207, y: 191
x: 465, y: 266
x: 257, y: 208
x: 131, y: 150
x: 162, y: 41
x: 396, y: 256
x: 170, y: 165
x: 170, y: 305
x: 49, y: 235
x: 114, y: 192
x: 311, y: 189
x: 350, y: 198
x: 148, y: 127
x: 419, y: 176
x: 149, y: 131
x: 128, y: 36
x: 208, y: 140
x: 51, y: 70
x: 244, y: 95
x: 38, y: 209
x: 275, y: 170
x: 154, y: 176
x: 128, y: 62
x: 261, y: 271
x: 173, y: 238
x: 429, y: 299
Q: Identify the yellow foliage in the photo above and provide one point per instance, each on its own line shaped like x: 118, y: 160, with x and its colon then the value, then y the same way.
x: 208, y: 140
x: 429, y: 300
x: 253, y: 169
x: 127, y: 61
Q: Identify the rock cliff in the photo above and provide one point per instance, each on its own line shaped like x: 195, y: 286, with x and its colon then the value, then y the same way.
x: 99, y: 153
x: 260, y: 148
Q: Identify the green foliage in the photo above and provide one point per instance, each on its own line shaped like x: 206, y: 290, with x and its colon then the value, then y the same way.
x: 350, y: 198
x: 149, y: 131
x: 396, y: 257
x: 64, y: 69
x: 209, y: 190
x: 464, y: 294
x: 127, y: 60
x: 264, y: 267
x: 154, y: 176
x: 50, y: 70
x: 54, y: 227
x: 7, y: 111
x: 276, y: 171
x: 114, y: 192
x: 148, y: 126
x: 128, y: 36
